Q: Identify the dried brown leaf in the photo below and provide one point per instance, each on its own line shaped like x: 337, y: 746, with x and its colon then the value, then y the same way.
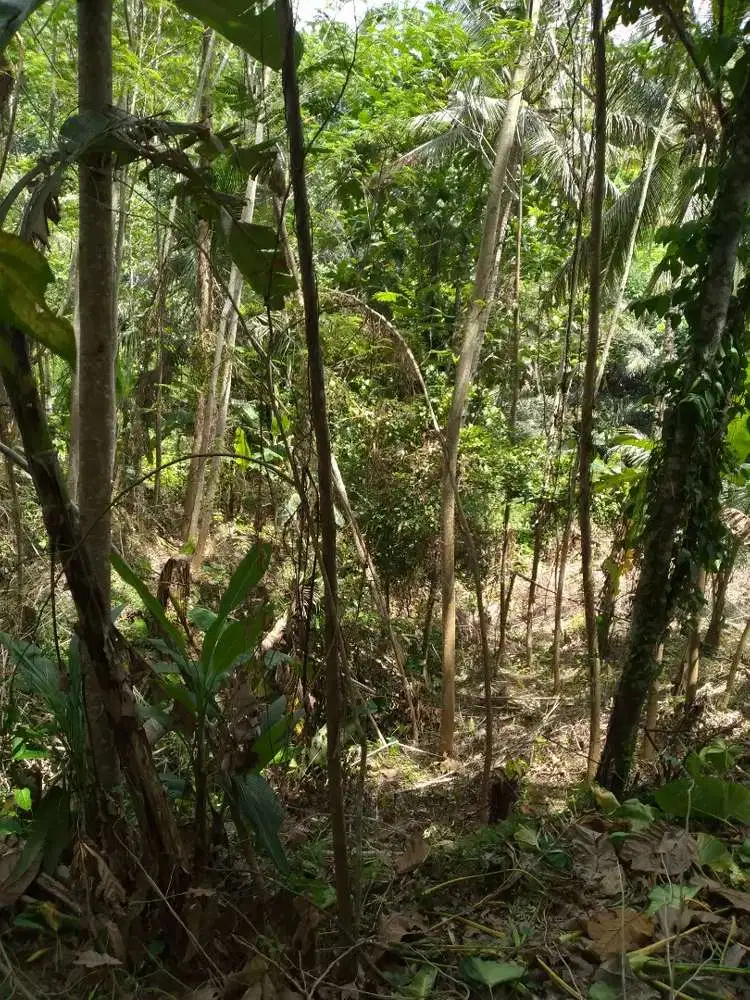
x: 13, y: 884
x: 735, y: 897
x: 91, y: 959
x: 615, y: 931
x: 660, y: 848
x: 415, y: 853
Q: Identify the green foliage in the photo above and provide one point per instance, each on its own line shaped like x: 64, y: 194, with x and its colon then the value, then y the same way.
x: 257, y: 33
x: 12, y: 15
x: 484, y: 972
x: 24, y: 276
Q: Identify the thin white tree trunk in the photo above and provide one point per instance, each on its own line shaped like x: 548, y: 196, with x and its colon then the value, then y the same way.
x: 647, y: 174
x: 473, y: 336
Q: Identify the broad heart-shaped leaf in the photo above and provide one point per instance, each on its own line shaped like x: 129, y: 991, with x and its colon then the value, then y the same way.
x: 255, y: 251
x: 247, y: 575
x: 24, y: 276
x: 149, y: 601
x: 723, y: 800
x: 202, y: 618
x: 258, y: 804
x: 488, y: 973
x: 257, y: 33
x: 12, y: 15
x: 236, y: 638
x: 277, y: 727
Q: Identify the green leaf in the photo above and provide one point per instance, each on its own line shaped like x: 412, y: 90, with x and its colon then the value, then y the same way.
x: 420, y: 986
x: 713, y: 853
x: 639, y: 815
x: 202, y: 618
x: 257, y: 33
x: 488, y: 973
x: 237, y: 638
x: 256, y: 252
x: 23, y: 798
x: 669, y: 895
x: 275, y: 735
x: 149, y: 601
x: 705, y: 796
x: 247, y: 575
x: 603, y: 991
x: 24, y: 276
x: 49, y: 834
x: 12, y: 15
x: 258, y: 804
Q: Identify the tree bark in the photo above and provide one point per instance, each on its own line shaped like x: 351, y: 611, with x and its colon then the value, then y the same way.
x: 713, y: 326
x: 712, y: 638
x: 562, y: 568
x: 203, y: 339
x: 95, y: 383
x: 473, y: 336
x: 586, y: 447
x: 319, y: 414
x: 648, y: 745
x: 736, y: 660
x: 693, y: 659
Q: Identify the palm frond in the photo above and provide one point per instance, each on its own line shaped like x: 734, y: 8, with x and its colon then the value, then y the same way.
x: 618, y: 222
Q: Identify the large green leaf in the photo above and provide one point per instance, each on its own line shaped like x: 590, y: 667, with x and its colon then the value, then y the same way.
x: 237, y: 638
x: 723, y: 800
x: 258, y: 804
x: 255, y: 32
x: 24, y: 276
x: 489, y: 973
x: 12, y: 15
x: 255, y: 250
x: 149, y: 601
x: 247, y: 575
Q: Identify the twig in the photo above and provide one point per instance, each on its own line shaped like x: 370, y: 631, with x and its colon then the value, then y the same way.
x: 559, y: 981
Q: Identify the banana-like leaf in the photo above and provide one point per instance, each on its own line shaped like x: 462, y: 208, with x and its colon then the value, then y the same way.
x: 258, y: 804
x: 24, y: 276
x: 149, y: 601
x: 252, y: 27
x: 247, y: 575
x: 12, y: 15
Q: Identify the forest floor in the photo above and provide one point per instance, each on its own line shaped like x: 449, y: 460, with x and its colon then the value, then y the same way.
x: 565, y: 898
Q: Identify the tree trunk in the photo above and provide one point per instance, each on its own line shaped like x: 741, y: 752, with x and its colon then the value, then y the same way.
x: 319, y: 413
x: 586, y: 447
x: 562, y: 567
x: 713, y: 327
x: 15, y: 506
x: 736, y: 660
x: 648, y: 745
x: 221, y: 376
x: 473, y: 337
x: 95, y: 397
x: 694, y: 648
x: 534, y: 579
x: 712, y: 638
x: 202, y: 347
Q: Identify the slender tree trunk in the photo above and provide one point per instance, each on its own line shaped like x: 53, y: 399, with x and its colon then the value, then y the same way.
x: 723, y: 578
x: 221, y: 376
x: 15, y: 506
x: 428, y: 615
x: 647, y: 174
x: 694, y: 648
x: 96, y: 409
x: 562, y: 568
x: 378, y: 595
x: 473, y: 336
x: 648, y: 745
x: 203, y: 341
x: 319, y: 413
x: 736, y: 661
x: 714, y: 326
x: 586, y: 447
x: 534, y: 579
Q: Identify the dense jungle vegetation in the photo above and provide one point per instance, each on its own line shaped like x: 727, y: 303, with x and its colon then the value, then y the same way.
x: 375, y: 499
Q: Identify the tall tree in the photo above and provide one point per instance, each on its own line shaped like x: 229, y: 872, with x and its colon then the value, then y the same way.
x: 586, y: 444
x: 95, y: 416
x: 319, y: 414
x: 474, y: 329
x: 716, y: 326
